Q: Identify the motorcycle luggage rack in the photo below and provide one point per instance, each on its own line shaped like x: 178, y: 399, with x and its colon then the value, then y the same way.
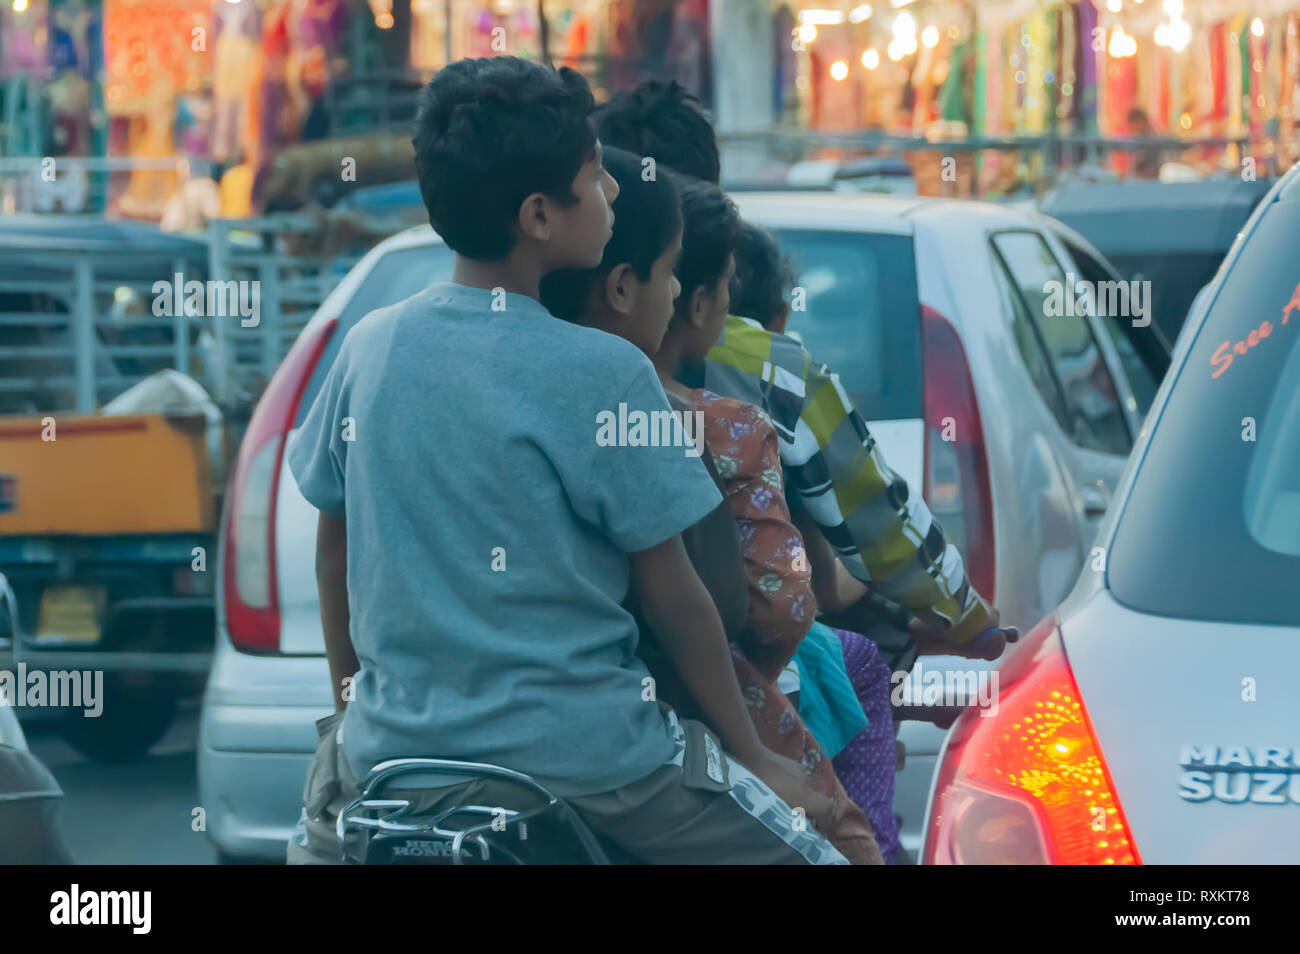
x: 435, y: 773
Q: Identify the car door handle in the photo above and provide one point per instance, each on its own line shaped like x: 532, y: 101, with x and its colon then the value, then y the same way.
x: 1095, y: 500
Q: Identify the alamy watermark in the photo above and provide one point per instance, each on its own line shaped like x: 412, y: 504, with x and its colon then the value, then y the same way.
x: 946, y: 687
x: 60, y: 689
x: 210, y: 299
x: 659, y: 428
x: 131, y: 909
x: 1122, y: 299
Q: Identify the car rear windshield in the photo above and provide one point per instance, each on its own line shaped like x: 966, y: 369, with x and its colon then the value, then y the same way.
x: 398, y: 275
x: 861, y: 315
x: 1211, y: 529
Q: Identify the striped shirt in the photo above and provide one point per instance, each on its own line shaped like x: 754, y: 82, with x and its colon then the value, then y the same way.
x: 884, y: 534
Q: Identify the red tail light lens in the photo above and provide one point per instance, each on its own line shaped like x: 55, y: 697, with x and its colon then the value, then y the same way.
x: 956, y: 483
x: 1026, y: 783
x: 252, y: 609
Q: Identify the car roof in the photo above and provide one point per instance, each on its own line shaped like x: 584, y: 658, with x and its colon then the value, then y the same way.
x: 868, y: 212
x: 843, y: 211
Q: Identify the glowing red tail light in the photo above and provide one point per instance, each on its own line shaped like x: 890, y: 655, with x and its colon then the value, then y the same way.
x: 1026, y: 783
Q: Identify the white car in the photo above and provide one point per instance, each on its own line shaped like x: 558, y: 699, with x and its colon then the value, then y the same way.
x: 1152, y: 717
x: 1016, y: 427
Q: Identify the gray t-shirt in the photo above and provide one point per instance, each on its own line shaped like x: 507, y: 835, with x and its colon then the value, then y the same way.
x: 488, y: 528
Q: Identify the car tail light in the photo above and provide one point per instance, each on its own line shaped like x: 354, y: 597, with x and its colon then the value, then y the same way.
x: 956, y: 482
x: 1025, y: 783
x: 252, y: 609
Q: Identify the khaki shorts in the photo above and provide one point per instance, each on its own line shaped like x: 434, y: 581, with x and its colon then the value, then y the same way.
x: 700, y: 807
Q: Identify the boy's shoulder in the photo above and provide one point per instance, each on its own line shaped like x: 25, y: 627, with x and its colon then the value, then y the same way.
x: 377, y: 333
x: 576, y: 357
x: 570, y: 353
x: 375, y: 328
x: 593, y: 348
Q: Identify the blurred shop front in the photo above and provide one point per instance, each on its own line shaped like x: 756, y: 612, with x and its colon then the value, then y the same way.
x: 1120, y: 87
x: 615, y: 44
x: 181, y: 110
x: 51, y: 60
x: 223, y: 87
x: 150, y: 96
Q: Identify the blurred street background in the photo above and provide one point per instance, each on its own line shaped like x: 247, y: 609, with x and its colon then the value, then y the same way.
x: 268, y: 139
x: 149, y: 800
x: 184, y: 182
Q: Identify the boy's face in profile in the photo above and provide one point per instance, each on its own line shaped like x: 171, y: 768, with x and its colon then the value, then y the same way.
x: 718, y: 303
x: 654, y: 300
x: 705, y: 314
x: 584, y: 227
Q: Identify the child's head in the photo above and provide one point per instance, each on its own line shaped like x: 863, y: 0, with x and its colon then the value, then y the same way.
x: 710, y: 227
x: 631, y: 292
x: 663, y: 121
x: 762, y: 277
x: 506, y: 154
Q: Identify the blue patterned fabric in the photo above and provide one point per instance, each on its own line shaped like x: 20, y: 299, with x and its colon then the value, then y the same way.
x: 828, y: 703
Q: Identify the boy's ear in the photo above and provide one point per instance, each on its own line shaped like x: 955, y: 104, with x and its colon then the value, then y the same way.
x: 620, y: 289
x: 701, y: 301
x: 534, y: 223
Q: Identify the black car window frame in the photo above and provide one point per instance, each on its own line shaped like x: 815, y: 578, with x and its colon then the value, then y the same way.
x: 1074, y: 411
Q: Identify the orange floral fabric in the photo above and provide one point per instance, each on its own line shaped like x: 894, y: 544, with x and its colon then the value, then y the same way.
x: 746, y: 451
x: 782, y: 731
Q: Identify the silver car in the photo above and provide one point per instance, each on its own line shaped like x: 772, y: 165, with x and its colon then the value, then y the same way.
x: 29, y: 794
x: 1153, y: 717
x: 1015, y: 429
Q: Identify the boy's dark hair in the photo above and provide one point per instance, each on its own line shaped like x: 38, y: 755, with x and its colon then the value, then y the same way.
x: 489, y: 133
x: 710, y: 228
x: 647, y: 217
x: 762, y: 276
x: 662, y: 120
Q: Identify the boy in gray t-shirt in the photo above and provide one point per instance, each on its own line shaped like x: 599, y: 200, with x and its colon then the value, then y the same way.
x: 486, y: 536
x: 477, y: 535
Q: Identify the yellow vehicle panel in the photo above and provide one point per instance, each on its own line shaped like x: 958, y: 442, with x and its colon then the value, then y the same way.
x: 89, y: 475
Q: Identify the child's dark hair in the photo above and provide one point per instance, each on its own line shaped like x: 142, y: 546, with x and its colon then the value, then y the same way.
x: 491, y: 132
x: 762, y: 276
x: 662, y: 120
x: 710, y: 228
x: 647, y: 217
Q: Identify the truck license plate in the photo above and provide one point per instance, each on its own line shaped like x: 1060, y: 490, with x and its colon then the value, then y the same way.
x: 71, y: 614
